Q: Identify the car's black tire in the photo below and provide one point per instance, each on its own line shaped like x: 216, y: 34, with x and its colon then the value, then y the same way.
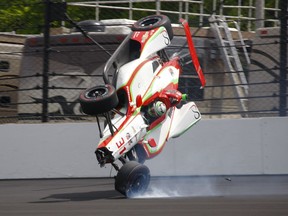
x: 152, y: 22
x: 98, y: 99
x: 132, y: 179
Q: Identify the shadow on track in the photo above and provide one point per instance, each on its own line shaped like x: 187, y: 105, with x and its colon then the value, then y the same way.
x: 82, y: 196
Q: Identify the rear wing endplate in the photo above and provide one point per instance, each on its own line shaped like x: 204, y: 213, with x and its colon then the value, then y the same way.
x: 193, y: 53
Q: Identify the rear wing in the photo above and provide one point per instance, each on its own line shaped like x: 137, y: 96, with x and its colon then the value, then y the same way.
x: 193, y: 53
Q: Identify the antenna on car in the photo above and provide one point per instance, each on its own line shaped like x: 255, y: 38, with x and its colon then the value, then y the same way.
x: 85, y: 33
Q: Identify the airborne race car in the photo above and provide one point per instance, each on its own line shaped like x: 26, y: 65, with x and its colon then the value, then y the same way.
x: 140, y: 102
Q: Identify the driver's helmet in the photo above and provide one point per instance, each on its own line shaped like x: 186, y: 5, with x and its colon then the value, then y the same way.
x: 157, y: 109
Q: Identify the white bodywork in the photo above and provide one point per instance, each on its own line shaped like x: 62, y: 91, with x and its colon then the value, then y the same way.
x: 146, y: 83
x: 140, y: 79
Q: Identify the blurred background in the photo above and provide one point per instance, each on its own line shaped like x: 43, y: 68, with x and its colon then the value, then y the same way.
x: 45, y: 61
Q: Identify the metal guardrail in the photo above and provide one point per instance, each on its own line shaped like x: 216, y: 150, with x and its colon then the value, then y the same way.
x: 255, y: 9
x: 218, y: 92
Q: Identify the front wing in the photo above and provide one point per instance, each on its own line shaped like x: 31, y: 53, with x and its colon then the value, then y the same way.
x: 184, y: 118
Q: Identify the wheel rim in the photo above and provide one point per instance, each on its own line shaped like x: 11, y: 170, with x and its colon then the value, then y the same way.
x: 98, y: 92
x: 149, y: 22
x: 137, y: 186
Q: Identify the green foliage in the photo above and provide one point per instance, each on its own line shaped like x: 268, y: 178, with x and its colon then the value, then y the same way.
x: 27, y: 16
x: 81, y: 13
x: 21, y: 16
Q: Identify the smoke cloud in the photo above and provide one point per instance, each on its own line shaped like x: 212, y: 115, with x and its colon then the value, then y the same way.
x: 169, y: 187
x: 209, y: 186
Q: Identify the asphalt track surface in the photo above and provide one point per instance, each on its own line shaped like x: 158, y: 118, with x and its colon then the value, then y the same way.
x: 213, y: 196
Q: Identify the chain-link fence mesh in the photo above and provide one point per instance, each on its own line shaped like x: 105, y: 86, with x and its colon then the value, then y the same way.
x: 45, y: 61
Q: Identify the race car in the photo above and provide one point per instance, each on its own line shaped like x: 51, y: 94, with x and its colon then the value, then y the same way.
x: 140, y: 102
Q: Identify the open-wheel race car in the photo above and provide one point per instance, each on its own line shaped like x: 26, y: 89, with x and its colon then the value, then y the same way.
x: 140, y: 102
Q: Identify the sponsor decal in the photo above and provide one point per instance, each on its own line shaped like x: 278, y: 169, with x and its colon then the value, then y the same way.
x: 171, y: 72
x: 128, y: 136
x: 144, y: 37
x: 128, y: 93
x: 120, y: 143
x: 196, y: 112
x: 166, y: 37
x: 136, y: 35
x: 122, y: 150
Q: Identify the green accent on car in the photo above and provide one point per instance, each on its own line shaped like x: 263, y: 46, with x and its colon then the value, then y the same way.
x: 156, y: 34
x: 184, y: 97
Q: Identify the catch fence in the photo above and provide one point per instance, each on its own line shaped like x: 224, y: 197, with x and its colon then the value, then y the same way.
x: 45, y: 61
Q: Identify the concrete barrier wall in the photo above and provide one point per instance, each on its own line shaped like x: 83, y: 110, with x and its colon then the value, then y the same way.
x: 212, y: 147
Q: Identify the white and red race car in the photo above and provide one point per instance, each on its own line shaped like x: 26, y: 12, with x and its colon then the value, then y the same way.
x: 141, y: 102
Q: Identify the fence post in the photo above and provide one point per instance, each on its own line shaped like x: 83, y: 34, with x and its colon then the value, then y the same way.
x: 259, y: 13
x: 283, y: 59
x: 45, y: 75
x: 158, y: 7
